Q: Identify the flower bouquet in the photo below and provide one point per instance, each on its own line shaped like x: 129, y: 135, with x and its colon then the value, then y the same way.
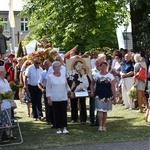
x: 14, y: 85
x: 132, y: 93
x: 6, y: 95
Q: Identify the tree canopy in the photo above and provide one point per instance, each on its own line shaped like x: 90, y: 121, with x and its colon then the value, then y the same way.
x: 140, y: 18
x: 88, y: 23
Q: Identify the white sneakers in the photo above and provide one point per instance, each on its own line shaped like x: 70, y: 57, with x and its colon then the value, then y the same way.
x: 64, y: 131
x: 59, y: 132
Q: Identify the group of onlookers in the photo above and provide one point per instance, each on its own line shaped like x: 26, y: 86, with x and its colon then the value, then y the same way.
x: 111, y: 80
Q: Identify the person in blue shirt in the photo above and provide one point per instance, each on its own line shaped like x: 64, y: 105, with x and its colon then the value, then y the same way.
x: 127, y: 72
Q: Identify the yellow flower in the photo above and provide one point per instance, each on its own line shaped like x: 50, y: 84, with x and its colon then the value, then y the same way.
x: 6, y: 95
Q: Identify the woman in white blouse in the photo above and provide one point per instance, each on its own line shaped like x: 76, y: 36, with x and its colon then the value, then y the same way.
x: 4, y: 87
x: 56, y: 93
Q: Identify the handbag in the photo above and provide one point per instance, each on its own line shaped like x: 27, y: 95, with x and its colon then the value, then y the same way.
x: 141, y: 74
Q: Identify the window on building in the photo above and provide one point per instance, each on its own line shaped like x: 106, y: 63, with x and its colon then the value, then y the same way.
x: 5, y: 20
x: 24, y: 26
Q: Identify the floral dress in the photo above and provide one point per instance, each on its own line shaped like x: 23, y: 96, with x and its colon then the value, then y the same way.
x: 103, y: 92
x: 116, y: 72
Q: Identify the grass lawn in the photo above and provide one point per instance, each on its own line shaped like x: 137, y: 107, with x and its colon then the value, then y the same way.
x: 121, y: 125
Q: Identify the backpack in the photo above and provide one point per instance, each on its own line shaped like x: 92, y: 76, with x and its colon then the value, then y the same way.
x: 141, y: 74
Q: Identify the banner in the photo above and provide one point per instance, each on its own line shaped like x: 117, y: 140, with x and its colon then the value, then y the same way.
x: 79, y: 75
x: 11, y: 14
x: 120, y: 38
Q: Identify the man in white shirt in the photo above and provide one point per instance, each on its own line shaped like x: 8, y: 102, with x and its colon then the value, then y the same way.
x: 32, y: 75
x: 42, y: 85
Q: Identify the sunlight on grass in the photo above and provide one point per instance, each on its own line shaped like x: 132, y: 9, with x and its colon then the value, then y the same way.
x: 121, y: 125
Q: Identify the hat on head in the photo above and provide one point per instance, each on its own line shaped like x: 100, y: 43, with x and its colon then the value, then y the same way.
x: 1, y: 62
x: 11, y: 55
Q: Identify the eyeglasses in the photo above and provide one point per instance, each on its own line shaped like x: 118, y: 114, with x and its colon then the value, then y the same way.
x: 28, y: 64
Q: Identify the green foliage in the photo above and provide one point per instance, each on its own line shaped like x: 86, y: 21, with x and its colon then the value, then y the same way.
x: 14, y: 85
x: 122, y: 125
x: 70, y: 22
x: 6, y: 95
x: 132, y: 93
x: 2, y: 23
x: 140, y: 18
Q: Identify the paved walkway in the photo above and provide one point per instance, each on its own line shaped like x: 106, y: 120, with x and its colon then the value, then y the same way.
x: 143, y: 144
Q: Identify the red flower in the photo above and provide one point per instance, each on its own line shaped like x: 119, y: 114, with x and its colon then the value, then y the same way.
x: 106, y: 81
x: 106, y: 101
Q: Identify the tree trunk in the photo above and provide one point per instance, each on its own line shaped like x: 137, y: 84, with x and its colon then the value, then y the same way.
x: 139, y: 24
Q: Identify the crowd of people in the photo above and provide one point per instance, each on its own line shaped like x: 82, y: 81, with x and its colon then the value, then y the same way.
x: 111, y: 80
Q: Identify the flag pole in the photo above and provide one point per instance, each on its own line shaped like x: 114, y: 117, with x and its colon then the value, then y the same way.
x: 13, y: 40
x: 120, y: 38
x: 12, y: 24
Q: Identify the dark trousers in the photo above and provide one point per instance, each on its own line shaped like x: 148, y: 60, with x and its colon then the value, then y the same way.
x: 60, y: 114
x: 36, y: 95
x: 74, y: 109
x: 48, y: 111
x: 92, y: 110
x: 93, y: 118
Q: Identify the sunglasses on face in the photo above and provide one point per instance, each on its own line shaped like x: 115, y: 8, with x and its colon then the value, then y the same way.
x: 37, y: 63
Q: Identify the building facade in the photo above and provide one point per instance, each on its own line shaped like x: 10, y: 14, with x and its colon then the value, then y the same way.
x: 21, y: 29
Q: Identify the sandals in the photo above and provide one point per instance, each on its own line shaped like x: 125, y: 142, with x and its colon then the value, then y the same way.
x: 101, y: 129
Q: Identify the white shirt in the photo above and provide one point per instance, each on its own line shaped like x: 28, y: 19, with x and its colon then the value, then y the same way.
x: 113, y: 63
x: 84, y: 83
x: 62, y: 70
x: 5, y: 87
x: 94, y: 71
x: 108, y: 76
x: 57, y: 88
x: 43, y: 77
x: 33, y: 74
x: 117, y: 65
x: 93, y: 63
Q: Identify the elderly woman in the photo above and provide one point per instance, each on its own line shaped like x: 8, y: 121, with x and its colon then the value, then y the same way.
x: 5, y: 103
x: 56, y: 93
x: 4, y: 87
x: 140, y: 85
x: 104, y: 93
